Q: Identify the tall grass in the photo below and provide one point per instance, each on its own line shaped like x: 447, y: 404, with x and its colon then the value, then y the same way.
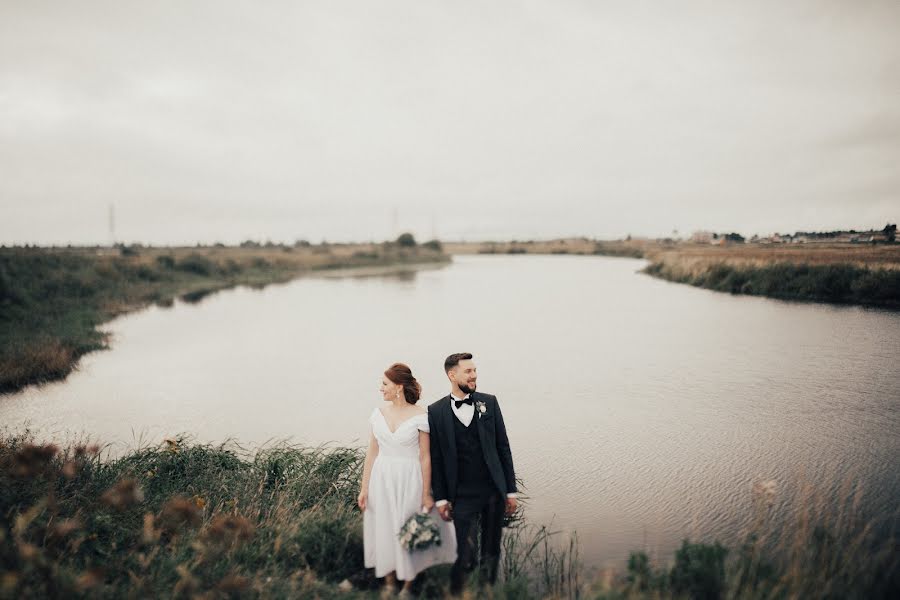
x: 837, y: 283
x: 218, y: 521
x: 181, y: 519
x: 828, y: 550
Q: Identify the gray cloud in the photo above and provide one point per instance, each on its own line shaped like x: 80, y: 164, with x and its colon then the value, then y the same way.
x: 221, y: 121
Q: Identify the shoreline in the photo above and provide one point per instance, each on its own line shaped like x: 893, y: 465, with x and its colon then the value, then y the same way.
x: 840, y: 274
x: 185, y: 519
x: 53, y: 301
x: 377, y: 271
x: 840, y: 284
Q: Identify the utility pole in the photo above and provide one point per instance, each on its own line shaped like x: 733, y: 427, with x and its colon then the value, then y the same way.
x: 112, y: 224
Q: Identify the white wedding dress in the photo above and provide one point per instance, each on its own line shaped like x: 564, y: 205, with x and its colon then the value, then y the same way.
x: 395, y: 494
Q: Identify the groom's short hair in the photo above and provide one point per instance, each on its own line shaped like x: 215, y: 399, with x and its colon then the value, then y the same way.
x: 454, y: 359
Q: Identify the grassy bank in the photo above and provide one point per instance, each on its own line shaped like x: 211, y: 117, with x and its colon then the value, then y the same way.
x: 53, y: 299
x: 835, y: 273
x: 837, y: 283
x: 201, y: 521
x: 861, y: 274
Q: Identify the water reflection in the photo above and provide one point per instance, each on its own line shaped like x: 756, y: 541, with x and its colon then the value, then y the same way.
x: 639, y: 411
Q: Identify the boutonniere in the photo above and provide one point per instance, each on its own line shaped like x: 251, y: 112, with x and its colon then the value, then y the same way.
x: 480, y: 407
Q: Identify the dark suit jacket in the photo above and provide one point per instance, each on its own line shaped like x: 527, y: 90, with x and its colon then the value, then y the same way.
x: 494, y: 445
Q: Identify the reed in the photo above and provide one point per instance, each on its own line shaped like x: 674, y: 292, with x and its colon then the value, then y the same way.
x: 829, y: 550
x: 178, y: 520
x: 219, y: 521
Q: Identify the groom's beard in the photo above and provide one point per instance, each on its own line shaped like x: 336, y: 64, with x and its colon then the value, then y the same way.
x: 466, y: 389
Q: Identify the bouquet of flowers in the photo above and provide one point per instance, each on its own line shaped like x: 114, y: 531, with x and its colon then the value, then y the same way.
x: 419, y: 532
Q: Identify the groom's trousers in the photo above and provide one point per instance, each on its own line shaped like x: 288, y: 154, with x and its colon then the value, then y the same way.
x: 474, y: 515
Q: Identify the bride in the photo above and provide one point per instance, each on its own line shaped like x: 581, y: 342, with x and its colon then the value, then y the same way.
x: 397, y: 482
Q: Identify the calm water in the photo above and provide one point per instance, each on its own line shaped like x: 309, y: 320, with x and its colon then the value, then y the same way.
x: 639, y: 411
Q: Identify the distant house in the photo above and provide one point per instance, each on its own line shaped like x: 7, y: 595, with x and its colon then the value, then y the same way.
x: 852, y: 236
x: 703, y: 237
x: 777, y: 238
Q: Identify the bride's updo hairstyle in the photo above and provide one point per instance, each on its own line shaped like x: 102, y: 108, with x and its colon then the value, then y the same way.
x: 402, y: 375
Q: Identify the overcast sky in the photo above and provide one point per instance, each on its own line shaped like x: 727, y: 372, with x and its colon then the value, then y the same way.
x: 222, y: 120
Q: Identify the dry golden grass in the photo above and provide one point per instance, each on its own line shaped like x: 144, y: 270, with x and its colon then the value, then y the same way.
x: 43, y: 357
x: 687, y: 255
x: 561, y: 246
x: 300, y: 257
x: 755, y: 255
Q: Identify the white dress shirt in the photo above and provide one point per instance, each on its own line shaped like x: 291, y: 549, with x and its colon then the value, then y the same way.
x: 465, y: 413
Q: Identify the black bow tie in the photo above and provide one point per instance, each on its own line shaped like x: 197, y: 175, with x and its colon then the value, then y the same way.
x: 464, y: 401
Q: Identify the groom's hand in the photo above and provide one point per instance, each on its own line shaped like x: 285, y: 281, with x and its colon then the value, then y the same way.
x: 511, y: 505
x: 446, y: 511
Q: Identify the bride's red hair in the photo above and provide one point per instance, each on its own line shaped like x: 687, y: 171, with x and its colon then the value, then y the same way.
x: 402, y: 375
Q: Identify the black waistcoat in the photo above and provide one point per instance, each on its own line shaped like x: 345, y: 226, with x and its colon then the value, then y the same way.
x: 474, y: 477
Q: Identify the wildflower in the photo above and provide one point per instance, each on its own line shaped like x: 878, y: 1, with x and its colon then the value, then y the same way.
x: 233, y: 584
x: 150, y: 533
x: 24, y: 519
x: 89, y: 579
x: 28, y: 552
x: 63, y: 528
x: 229, y: 530
x: 124, y: 494
x: 764, y: 491
x: 179, y: 512
x: 82, y: 452
x: 187, y: 583
x: 32, y: 460
x: 70, y: 469
x: 9, y: 581
x: 200, y: 502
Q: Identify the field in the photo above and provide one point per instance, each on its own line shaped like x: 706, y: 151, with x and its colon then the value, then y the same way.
x: 885, y: 256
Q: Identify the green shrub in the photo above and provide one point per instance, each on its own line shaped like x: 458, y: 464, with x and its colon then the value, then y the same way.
x: 406, y: 240
x: 699, y: 571
x: 821, y: 283
x: 166, y: 261
x: 196, y: 264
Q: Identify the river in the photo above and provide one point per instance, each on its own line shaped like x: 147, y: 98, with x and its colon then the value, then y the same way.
x: 639, y: 411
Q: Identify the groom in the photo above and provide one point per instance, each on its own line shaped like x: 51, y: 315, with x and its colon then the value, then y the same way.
x: 472, y: 470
